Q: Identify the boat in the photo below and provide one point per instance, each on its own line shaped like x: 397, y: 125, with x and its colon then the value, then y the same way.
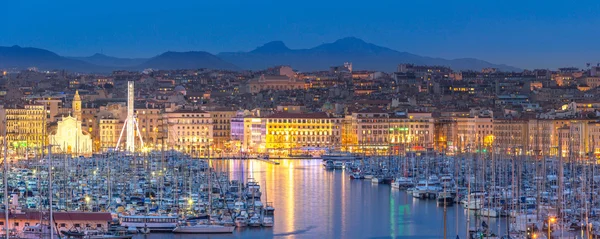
x: 474, y: 201
x: 402, y: 182
x: 37, y: 231
x: 445, y: 198
x: 254, y: 221
x: 108, y: 235
x: 203, y: 229
x: 377, y: 180
x: 357, y: 175
x: 328, y: 164
x: 338, y: 156
x: 263, y: 156
x: 253, y: 189
x: 489, y: 212
x: 299, y: 156
x: 421, y: 190
x: 268, y: 216
x: 241, y: 221
x: 151, y: 222
x: 338, y: 165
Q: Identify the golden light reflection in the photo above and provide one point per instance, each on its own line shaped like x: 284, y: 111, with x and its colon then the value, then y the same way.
x: 289, y: 201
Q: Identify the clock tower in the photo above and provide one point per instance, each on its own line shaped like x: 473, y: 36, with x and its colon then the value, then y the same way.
x: 77, y: 106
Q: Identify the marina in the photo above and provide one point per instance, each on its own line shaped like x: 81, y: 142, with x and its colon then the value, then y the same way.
x: 159, y: 195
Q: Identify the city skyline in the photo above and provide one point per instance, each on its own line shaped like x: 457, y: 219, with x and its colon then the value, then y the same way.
x: 528, y: 35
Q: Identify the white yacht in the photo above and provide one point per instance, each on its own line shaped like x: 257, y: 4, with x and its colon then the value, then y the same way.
x: 474, y: 201
x: 153, y: 223
x: 421, y: 189
x: 268, y: 216
x: 402, y: 182
x: 338, y: 165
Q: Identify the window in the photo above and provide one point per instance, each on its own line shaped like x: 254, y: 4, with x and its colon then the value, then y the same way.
x: 63, y: 225
x: 77, y: 225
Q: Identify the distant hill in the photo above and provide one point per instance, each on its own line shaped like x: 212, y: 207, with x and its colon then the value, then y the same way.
x: 187, y: 60
x: 363, y: 55
x: 25, y: 57
x: 104, y: 60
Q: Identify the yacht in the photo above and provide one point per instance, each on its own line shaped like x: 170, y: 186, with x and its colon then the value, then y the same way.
x: 402, y: 182
x: 37, y: 231
x: 268, y: 216
x: 203, y: 229
x: 253, y: 189
x: 151, y: 222
x: 445, y: 198
x: 337, y: 156
x: 447, y: 182
x: 474, y: 201
x: 338, y: 165
x: 421, y: 189
x: 254, y: 221
x: 328, y: 164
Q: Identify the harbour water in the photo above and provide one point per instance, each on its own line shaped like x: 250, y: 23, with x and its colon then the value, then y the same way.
x: 312, y: 202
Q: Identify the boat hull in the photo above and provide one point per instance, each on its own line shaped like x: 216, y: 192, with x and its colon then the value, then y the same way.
x: 208, y: 229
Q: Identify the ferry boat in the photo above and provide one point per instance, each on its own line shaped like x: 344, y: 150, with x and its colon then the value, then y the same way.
x: 338, y: 156
x: 153, y: 223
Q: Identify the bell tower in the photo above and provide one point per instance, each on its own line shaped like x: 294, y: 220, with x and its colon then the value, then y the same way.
x: 77, y: 105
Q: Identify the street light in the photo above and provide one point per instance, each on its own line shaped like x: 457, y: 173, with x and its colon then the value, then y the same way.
x: 550, y: 221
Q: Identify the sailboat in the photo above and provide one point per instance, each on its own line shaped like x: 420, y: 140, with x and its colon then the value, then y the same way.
x: 199, y: 228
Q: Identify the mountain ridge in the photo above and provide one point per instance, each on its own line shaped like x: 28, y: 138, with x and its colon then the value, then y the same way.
x: 363, y: 55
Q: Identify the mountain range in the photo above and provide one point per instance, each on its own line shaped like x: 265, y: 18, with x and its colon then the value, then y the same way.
x: 363, y: 55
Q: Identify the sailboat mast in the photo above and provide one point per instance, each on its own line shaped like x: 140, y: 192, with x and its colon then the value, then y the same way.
x: 50, y: 192
x: 5, y: 174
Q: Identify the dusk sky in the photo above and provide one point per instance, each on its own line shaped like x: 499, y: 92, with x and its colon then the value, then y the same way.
x: 527, y: 34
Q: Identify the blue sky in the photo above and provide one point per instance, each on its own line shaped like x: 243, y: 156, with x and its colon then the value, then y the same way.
x: 529, y: 34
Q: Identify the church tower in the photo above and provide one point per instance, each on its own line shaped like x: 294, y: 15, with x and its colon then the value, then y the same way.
x: 77, y: 106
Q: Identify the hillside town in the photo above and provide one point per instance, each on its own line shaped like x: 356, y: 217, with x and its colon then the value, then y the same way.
x: 280, y: 111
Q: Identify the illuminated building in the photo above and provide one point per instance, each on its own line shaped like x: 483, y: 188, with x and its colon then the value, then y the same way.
x: 301, y: 131
x: 70, y: 137
x: 512, y: 136
x: 444, y: 134
x: 53, y: 103
x: 221, y: 128
x: 25, y: 128
x: 109, y: 133
x: 475, y: 132
x: 412, y: 131
x: 189, y: 131
x: 253, y: 139
x: 274, y: 82
x: 149, y: 121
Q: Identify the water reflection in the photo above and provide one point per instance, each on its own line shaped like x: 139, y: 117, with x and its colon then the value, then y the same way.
x: 311, y: 202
